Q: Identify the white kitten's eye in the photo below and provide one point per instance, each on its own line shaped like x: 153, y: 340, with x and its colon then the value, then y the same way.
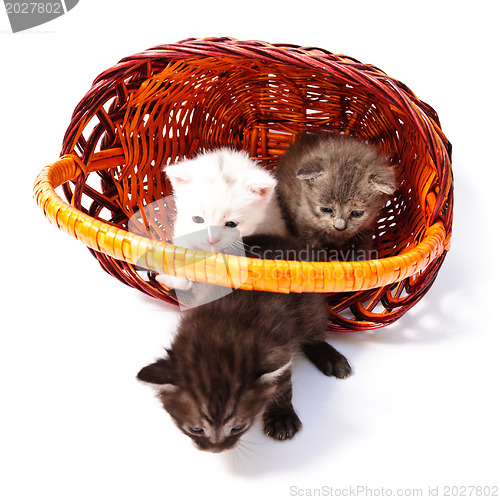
x: 357, y: 213
x: 196, y: 430
x: 326, y: 210
x: 231, y: 223
x: 239, y: 428
x: 198, y: 219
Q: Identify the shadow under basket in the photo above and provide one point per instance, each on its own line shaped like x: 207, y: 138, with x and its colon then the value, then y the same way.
x: 166, y: 103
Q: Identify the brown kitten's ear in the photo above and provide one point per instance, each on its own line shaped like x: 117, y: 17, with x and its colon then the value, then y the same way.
x: 384, y: 183
x: 310, y: 171
x: 157, y: 373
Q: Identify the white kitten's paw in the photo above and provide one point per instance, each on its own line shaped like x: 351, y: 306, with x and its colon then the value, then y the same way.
x: 174, y: 282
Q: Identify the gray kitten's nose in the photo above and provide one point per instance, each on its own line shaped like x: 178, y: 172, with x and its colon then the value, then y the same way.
x: 339, y: 224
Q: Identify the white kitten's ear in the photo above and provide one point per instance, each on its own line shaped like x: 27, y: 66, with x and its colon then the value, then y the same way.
x: 179, y: 174
x: 157, y: 374
x: 271, y: 376
x: 310, y: 171
x: 384, y: 184
x: 263, y: 188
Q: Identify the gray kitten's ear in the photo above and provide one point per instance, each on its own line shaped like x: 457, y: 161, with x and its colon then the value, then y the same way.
x: 157, y: 373
x: 384, y: 183
x: 310, y: 171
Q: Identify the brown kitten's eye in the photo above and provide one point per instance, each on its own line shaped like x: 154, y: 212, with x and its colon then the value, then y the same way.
x: 326, y: 210
x: 231, y: 223
x: 357, y: 213
x: 196, y: 430
x: 239, y: 428
x: 198, y: 219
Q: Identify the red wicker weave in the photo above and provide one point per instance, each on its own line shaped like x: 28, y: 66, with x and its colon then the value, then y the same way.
x: 167, y: 102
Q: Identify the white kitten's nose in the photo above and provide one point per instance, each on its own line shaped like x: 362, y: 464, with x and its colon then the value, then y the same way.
x: 339, y: 224
x: 214, y: 235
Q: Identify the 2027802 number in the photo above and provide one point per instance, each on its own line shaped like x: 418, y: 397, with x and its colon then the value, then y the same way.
x: 470, y: 491
x: 33, y: 8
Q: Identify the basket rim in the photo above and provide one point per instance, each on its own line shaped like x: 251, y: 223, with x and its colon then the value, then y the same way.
x: 222, y: 269
x: 346, y: 68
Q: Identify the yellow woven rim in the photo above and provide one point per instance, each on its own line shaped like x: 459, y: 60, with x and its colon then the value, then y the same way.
x: 220, y: 269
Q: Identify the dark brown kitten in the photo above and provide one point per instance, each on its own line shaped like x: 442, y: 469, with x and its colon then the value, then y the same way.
x: 331, y: 188
x: 231, y: 359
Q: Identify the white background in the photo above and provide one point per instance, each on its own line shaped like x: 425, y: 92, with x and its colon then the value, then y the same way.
x: 421, y: 409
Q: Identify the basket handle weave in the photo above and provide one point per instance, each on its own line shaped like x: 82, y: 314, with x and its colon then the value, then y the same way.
x: 221, y: 269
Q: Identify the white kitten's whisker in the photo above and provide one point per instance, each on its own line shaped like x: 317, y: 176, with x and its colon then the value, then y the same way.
x: 237, y: 248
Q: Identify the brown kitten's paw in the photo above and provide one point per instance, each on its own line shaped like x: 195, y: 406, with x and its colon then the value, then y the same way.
x: 281, y: 424
x: 327, y: 359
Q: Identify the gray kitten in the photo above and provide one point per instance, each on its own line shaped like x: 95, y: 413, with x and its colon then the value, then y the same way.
x: 331, y: 189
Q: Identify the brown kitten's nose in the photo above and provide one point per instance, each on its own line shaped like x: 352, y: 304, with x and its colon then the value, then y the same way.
x: 339, y: 224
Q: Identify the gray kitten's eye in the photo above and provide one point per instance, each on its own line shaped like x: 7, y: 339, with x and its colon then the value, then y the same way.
x: 196, y: 430
x: 198, y: 219
x: 326, y: 210
x: 231, y: 223
x: 239, y: 428
x: 357, y: 213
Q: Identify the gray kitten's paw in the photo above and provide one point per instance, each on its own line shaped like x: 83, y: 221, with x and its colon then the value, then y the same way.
x: 281, y: 424
x: 327, y: 359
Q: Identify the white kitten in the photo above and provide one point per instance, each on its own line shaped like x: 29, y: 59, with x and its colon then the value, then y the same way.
x: 220, y: 197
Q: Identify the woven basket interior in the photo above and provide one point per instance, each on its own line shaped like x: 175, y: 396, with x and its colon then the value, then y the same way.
x: 157, y: 115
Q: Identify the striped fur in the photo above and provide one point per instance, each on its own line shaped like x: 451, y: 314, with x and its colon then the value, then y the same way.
x: 231, y: 361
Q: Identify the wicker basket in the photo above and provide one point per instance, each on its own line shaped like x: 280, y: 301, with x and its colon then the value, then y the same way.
x: 167, y: 102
